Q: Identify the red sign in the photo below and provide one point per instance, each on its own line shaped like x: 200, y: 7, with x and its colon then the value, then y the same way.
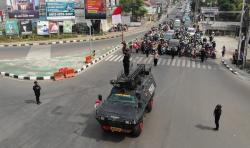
x: 95, y: 9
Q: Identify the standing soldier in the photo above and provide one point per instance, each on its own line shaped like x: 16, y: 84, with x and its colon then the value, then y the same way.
x: 223, y: 51
x: 156, y: 57
x: 172, y: 52
x: 217, y: 114
x: 37, y: 89
x: 126, y: 61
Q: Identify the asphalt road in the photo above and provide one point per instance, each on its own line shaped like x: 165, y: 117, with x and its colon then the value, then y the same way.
x: 66, y: 49
x: 181, y: 117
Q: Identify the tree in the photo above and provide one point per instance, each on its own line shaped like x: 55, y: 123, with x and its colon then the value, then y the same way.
x: 127, y: 5
x: 134, y: 6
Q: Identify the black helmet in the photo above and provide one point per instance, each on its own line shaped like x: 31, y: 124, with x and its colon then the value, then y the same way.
x: 218, y: 106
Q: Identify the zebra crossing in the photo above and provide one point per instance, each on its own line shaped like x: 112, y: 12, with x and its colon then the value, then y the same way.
x: 176, y: 62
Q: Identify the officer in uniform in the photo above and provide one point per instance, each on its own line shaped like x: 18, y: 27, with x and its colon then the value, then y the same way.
x: 217, y: 114
x: 37, y: 89
x: 126, y: 61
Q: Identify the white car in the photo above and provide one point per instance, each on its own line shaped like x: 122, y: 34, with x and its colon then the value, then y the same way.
x: 191, y: 31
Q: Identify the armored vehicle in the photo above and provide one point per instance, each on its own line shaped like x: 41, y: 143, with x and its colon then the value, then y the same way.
x: 130, y: 98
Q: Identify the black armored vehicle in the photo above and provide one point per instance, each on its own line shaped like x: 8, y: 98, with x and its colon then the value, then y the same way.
x: 130, y: 98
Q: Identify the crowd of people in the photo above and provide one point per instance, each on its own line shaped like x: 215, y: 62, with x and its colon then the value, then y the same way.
x: 181, y: 44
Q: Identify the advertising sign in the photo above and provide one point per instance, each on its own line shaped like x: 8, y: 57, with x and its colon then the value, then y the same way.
x: 53, y: 27
x: 67, y: 26
x: 95, y: 9
x: 11, y: 27
x: 43, y: 28
x: 60, y: 10
x: 26, y: 27
x: 23, y: 9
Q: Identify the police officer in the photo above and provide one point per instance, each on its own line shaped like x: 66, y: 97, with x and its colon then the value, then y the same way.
x: 172, y: 52
x: 126, y: 61
x: 37, y: 89
x: 203, y: 54
x: 217, y: 114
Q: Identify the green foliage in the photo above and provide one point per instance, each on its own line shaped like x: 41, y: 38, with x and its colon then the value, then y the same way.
x: 141, y: 11
x: 127, y: 5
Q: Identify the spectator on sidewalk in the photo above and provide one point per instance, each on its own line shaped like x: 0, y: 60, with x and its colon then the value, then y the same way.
x: 37, y: 89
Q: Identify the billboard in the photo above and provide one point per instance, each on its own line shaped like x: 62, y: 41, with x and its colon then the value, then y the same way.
x: 53, y: 27
x: 26, y: 27
x: 23, y: 9
x: 43, y: 28
x: 11, y: 27
x: 67, y: 26
x: 60, y: 9
x: 95, y: 9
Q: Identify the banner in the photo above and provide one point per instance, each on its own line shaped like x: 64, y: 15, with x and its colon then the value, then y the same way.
x: 53, y: 27
x: 43, y: 28
x: 26, y: 27
x: 60, y: 10
x: 67, y: 26
x: 23, y: 9
x: 11, y: 27
x: 95, y: 9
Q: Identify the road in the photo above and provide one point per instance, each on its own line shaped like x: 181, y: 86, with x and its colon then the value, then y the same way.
x: 187, y: 92
x: 66, y: 49
x: 182, y: 115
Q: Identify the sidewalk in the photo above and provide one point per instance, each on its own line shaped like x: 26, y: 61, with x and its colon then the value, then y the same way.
x: 81, y: 38
x: 231, y: 44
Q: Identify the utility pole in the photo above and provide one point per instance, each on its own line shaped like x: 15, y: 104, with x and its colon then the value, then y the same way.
x: 240, y: 34
x: 246, y: 22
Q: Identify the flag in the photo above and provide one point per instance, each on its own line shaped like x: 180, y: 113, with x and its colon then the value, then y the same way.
x: 116, y: 16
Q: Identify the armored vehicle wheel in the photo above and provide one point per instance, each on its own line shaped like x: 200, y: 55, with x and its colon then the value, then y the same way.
x: 137, y: 129
x: 150, y: 105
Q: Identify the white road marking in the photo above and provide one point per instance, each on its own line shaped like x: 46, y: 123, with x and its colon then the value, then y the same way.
x: 145, y: 61
x: 113, y: 57
x: 198, y: 65
x: 164, y: 62
x: 109, y: 57
x: 118, y: 57
x: 209, y: 67
x: 193, y: 64
x: 179, y: 63
x: 183, y: 63
x: 159, y: 61
x: 135, y: 59
x: 139, y: 60
x: 204, y: 67
x: 169, y: 61
x: 188, y: 63
x: 149, y: 61
x: 173, y: 62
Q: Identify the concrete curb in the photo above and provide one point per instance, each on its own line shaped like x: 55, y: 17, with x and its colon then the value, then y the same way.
x: 95, y: 61
x: 229, y: 68
x: 57, y: 42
